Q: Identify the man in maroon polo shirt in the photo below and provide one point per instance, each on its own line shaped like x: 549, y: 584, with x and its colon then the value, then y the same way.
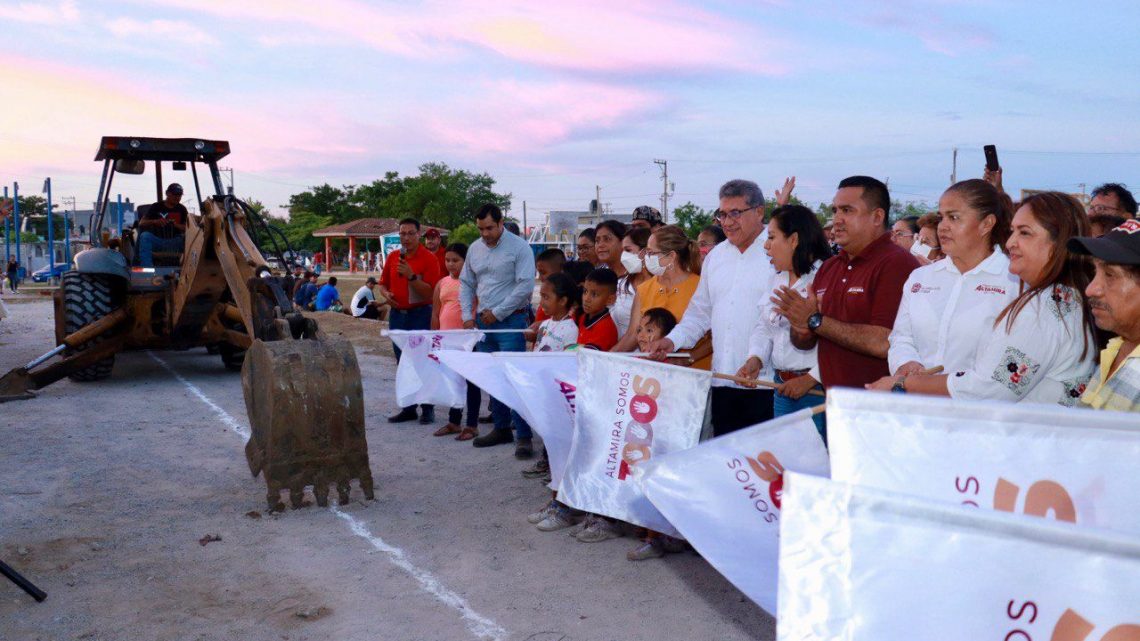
x: 851, y: 307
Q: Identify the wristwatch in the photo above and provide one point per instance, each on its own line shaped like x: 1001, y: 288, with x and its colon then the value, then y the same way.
x: 814, y: 321
x: 899, y: 386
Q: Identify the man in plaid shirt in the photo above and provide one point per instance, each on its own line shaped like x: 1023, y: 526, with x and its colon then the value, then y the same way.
x: 1114, y: 297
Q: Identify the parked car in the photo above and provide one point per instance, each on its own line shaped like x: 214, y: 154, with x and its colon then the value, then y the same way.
x: 41, y: 274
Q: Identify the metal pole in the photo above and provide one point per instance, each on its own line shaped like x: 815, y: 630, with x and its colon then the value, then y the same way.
x: 954, y: 169
x: 7, y: 233
x: 524, y: 220
x: 51, y: 232
x: 67, y: 227
x: 16, y: 217
x: 119, y: 210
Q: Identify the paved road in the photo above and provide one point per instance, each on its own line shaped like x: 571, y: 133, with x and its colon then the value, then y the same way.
x: 106, y: 489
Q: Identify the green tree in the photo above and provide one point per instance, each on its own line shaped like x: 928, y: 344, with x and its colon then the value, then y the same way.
x: 911, y: 208
x: 442, y: 196
x: 692, y: 218
x: 466, y: 233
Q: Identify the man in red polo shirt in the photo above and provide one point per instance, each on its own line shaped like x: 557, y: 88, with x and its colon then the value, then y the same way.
x: 407, y: 281
x: 852, y: 303
x: 434, y: 243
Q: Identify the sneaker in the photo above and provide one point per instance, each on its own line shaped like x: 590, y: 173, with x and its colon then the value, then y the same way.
x: 538, y: 516
x: 600, y: 530
x: 404, y: 415
x: 524, y: 449
x: 540, y: 468
x: 494, y: 437
x: 427, y: 414
x: 559, y: 518
x: 652, y: 549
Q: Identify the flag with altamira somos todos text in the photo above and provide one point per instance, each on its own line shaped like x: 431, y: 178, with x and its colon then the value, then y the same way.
x: 1074, y: 465
x: 724, y: 496
x: 864, y: 564
x: 420, y: 378
x: 630, y: 411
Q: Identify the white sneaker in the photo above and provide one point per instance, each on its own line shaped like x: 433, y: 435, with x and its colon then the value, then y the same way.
x: 598, y: 531
x: 538, y: 516
x: 559, y: 518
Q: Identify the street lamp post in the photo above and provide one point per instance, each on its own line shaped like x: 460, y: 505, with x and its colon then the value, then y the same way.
x: 16, y: 217
x: 51, y: 232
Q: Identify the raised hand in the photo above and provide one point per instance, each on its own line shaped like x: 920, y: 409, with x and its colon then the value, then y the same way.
x: 784, y: 195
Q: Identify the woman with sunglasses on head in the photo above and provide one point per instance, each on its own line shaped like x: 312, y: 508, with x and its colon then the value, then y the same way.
x: 1042, y: 347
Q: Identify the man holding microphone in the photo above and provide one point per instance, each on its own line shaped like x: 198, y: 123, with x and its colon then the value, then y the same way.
x: 409, y: 276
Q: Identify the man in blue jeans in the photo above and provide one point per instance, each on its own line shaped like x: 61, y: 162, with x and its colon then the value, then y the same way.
x: 499, y: 274
x: 407, y: 281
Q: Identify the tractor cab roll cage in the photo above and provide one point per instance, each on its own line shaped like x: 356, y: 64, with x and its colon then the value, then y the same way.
x: 129, y: 155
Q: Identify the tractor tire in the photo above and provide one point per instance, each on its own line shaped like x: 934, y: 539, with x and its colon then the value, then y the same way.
x: 232, y: 357
x: 86, y: 299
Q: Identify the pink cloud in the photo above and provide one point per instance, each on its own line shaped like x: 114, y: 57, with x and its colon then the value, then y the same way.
x: 594, y: 35
x: 65, y: 12
x: 511, y: 116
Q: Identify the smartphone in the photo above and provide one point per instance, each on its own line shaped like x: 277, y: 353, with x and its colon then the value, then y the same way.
x: 991, y: 157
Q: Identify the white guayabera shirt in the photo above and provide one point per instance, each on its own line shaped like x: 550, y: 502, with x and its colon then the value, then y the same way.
x: 1038, y: 360
x: 732, y: 285
x: 944, y: 314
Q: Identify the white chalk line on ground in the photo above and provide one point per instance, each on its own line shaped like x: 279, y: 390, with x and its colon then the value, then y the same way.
x: 478, y: 624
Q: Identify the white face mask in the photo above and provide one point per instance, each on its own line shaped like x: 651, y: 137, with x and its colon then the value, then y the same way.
x: 653, y: 265
x: 631, y: 262
x: 919, y: 249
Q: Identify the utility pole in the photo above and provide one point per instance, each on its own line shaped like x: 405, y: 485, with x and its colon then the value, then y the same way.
x: 16, y: 217
x: 7, y: 233
x: 524, y: 220
x: 597, y: 205
x: 664, y: 188
x: 68, y: 200
x: 954, y: 169
x: 231, y: 170
x: 51, y: 233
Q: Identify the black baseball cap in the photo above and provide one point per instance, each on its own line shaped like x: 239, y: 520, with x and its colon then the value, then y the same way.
x: 174, y: 188
x: 1121, y: 246
x: 645, y: 212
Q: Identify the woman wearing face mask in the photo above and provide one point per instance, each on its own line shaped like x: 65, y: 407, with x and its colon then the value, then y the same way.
x: 1042, y: 346
x: 949, y: 306
x: 926, y: 247
x: 674, y: 264
x: 798, y: 247
x: 633, y: 261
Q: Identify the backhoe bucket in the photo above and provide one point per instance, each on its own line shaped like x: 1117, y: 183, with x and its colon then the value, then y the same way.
x: 16, y: 386
x: 306, y: 412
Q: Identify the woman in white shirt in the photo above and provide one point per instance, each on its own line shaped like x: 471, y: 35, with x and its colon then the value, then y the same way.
x: 633, y: 246
x: 1043, y: 345
x: 948, y: 307
x: 797, y: 245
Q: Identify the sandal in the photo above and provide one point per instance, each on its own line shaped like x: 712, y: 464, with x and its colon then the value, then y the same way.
x: 467, y: 433
x: 450, y: 428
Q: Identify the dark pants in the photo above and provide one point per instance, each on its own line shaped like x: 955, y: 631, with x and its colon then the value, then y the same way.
x: 512, y: 342
x: 455, y: 414
x: 418, y: 318
x: 372, y: 313
x: 734, y: 408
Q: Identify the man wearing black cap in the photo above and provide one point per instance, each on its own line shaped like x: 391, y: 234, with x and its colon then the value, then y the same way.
x: 364, y: 303
x: 163, y: 227
x: 1114, y: 297
x: 647, y: 217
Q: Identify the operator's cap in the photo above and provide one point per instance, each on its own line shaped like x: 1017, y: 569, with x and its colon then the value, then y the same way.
x: 431, y: 233
x: 1121, y: 246
x: 647, y: 213
x: 175, y: 189
x: 371, y: 280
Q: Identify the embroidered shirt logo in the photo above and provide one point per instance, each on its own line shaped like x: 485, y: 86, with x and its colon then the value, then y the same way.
x: 990, y: 289
x: 854, y: 290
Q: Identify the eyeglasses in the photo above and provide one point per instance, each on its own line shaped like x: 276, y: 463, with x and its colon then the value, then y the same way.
x: 735, y: 214
x: 900, y: 234
x: 1103, y: 209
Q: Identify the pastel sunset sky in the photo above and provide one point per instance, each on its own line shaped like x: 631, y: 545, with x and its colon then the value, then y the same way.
x: 553, y: 98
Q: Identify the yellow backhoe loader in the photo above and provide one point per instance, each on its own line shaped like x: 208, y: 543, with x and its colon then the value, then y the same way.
x: 302, y: 388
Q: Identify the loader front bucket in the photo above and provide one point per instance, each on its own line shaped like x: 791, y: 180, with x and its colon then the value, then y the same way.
x: 16, y: 385
x: 305, y: 402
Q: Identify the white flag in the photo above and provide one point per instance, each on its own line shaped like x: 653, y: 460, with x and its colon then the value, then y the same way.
x: 724, y: 496
x: 1073, y: 465
x: 547, y: 388
x: 862, y: 564
x: 630, y: 411
x: 420, y: 378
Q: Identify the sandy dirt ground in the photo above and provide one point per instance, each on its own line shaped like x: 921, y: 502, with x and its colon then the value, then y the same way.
x: 107, y: 490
